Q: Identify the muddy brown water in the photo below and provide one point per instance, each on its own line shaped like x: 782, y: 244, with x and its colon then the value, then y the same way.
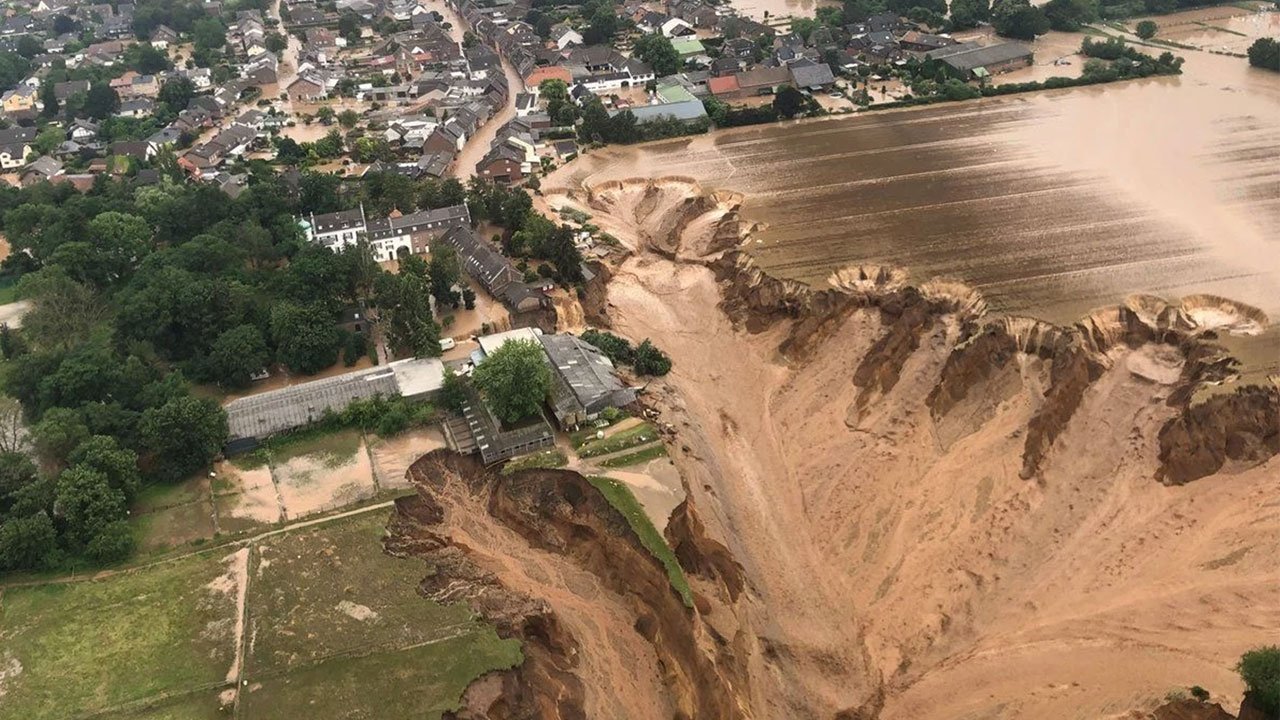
x: 1051, y: 203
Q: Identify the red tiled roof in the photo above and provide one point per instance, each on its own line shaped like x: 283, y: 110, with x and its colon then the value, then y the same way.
x: 552, y: 72
x: 722, y: 85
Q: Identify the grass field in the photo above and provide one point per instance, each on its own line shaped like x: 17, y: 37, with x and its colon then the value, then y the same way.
x: 549, y: 458
x: 631, y: 437
x: 334, y: 629
x: 645, y: 454
x: 95, y: 645
x: 620, y: 497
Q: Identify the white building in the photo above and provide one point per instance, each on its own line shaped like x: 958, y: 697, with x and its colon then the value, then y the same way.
x: 388, y: 238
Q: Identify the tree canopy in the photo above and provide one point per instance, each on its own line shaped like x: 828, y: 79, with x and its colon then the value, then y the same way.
x: 1265, y: 53
x: 656, y: 50
x: 514, y: 379
x: 1019, y: 19
x: 1260, y: 670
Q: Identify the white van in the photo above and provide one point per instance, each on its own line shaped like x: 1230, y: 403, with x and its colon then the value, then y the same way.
x: 447, y: 343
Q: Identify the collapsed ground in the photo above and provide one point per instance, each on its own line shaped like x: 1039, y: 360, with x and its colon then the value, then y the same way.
x: 933, y: 521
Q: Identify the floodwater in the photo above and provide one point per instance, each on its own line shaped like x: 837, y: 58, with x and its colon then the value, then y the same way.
x: 760, y: 9
x: 1052, y: 203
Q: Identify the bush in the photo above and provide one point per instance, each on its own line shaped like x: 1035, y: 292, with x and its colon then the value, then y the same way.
x: 1265, y: 53
x: 112, y: 544
x: 615, y: 348
x: 1260, y: 670
x: 354, y: 347
x: 651, y: 361
x: 1146, y: 29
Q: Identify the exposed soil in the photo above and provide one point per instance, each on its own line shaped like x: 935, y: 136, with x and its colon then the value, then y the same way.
x: 897, y: 506
x: 544, y: 556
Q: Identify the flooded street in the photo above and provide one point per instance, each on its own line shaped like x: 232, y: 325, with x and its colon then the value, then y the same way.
x: 1052, y: 203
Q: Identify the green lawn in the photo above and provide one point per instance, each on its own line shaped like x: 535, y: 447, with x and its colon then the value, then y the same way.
x: 95, y: 645
x: 339, y: 628
x: 549, y: 458
x: 337, y: 631
x: 642, y: 455
x: 413, y: 684
x: 631, y: 437
x: 620, y: 497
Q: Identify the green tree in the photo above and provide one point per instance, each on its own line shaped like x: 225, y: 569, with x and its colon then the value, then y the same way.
x: 856, y: 11
x: 1265, y: 53
x: 146, y: 59
x: 237, y: 354
x: 1019, y: 19
x: 1146, y: 29
x: 443, y: 272
x: 615, y: 348
x: 649, y: 360
x: 349, y: 28
x: 453, y: 394
x: 63, y: 311
x: 176, y: 93
x: 86, y: 503
x: 790, y: 102
x: 1070, y: 15
x: 113, y: 543
x: 16, y: 472
x: 410, y: 325
x: 656, y: 50
x: 514, y: 379
x: 348, y: 118
x: 183, y: 435
x: 103, y: 454
x: 59, y: 432
x: 306, y: 338
x: 48, y: 140
x: 276, y: 42
x: 325, y: 115
x: 48, y: 99
x: 1260, y: 670
x: 26, y: 542
x: 29, y: 47
x: 101, y: 102
x: 209, y: 34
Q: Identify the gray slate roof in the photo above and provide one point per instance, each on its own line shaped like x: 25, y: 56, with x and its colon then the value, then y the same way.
x: 970, y: 56
x: 584, y: 379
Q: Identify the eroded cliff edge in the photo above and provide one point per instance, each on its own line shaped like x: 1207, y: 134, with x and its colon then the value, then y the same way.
x: 809, y: 606
x: 518, y: 548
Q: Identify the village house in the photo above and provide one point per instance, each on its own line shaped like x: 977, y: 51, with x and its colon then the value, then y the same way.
x: 494, y: 271
x: 15, y: 146
x: 388, y: 238
x: 599, y: 67
x: 163, y: 36
x: 564, y: 36
x: 504, y: 163
x: 21, y: 103
x: 40, y: 170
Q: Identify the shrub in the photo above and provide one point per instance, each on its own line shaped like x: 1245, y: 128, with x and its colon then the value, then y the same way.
x: 615, y: 348
x: 651, y: 361
x: 1260, y: 670
x: 1146, y: 29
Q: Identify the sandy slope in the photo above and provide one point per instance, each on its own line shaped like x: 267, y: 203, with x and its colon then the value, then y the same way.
x: 885, y: 551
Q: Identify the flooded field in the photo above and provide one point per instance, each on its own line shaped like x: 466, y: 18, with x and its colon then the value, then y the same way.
x: 759, y: 9
x: 1052, y: 203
